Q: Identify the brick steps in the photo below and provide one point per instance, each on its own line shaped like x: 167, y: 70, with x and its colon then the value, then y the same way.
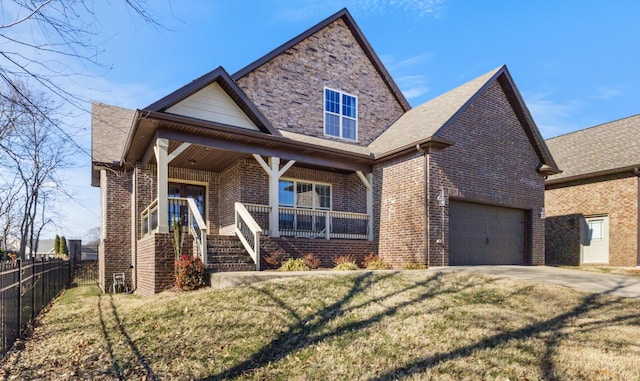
x: 226, y: 253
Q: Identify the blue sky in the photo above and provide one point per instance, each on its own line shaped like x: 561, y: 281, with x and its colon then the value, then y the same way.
x: 576, y: 63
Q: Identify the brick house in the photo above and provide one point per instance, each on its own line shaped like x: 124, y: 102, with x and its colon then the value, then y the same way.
x: 313, y: 148
x: 592, y: 206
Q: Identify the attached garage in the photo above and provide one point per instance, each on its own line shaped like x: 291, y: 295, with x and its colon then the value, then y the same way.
x: 487, y: 235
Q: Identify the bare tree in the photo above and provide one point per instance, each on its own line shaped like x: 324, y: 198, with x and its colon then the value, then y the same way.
x: 93, y: 236
x: 9, y: 207
x: 40, y: 40
x: 34, y: 154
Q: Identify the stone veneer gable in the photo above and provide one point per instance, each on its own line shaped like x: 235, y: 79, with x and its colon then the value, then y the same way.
x: 289, y: 89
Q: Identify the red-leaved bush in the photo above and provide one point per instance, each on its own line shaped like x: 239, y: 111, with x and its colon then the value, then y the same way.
x: 189, y: 272
x: 311, y: 260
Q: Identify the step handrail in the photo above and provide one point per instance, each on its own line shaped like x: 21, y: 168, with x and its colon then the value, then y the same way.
x: 198, y: 229
x: 248, y: 230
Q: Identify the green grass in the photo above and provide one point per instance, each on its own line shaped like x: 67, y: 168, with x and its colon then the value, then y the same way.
x: 418, y: 325
x: 629, y: 271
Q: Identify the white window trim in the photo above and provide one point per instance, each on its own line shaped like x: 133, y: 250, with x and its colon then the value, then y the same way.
x: 295, y: 194
x: 340, y: 116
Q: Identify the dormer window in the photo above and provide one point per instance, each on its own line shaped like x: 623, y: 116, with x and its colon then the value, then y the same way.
x: 340, y: 114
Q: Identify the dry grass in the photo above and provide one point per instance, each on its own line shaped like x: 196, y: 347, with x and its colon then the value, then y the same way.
x: 631, y: 271
x: 419, y: 325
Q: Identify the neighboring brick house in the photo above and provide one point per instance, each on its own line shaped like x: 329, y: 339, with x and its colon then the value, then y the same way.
x: 592, y: 207
x: 313, y: 148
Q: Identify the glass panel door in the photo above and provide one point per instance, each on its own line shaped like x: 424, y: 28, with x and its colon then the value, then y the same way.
x: 195, y: 192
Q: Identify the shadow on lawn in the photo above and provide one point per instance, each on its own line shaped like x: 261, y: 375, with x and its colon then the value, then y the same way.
x: 307, y: 331
x: 311, y: 330
x: 550, y: 330
x: 134, y: 348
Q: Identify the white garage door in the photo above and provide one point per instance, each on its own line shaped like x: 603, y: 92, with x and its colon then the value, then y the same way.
x: 486, y: 235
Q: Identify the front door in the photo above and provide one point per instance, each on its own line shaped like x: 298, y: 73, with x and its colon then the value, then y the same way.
x: 595, y: 240
x: 180, y: 190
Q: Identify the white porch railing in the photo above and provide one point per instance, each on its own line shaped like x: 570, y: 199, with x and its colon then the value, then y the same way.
x: 248, y: 230
x: 179, y: 208
x: 313, y: 223
x: 149, y: 218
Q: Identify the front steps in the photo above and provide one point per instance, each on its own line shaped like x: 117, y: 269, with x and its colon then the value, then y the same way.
x: 226, y: 253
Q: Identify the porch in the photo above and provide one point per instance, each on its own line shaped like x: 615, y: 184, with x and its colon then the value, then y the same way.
x: 252, y: 225
x: 256, y: 185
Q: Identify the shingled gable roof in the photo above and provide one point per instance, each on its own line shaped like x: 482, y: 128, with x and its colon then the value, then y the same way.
x: 357, y: 34
x: 600, y: 150
x: 427, y: 122
x: 222, y: 78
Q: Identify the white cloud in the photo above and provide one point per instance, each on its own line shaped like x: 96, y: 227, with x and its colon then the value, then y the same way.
x: 298, y: 11
x: 607, y: 93
x: 553, y: 118
x: 413, y: 86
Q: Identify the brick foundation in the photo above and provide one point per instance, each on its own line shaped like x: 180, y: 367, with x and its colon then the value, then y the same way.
x: 325, y: 250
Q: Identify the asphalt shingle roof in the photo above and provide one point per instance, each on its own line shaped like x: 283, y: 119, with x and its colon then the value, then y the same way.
x: 110, y: 128
x: 602, y: 148
x: 424, y: 121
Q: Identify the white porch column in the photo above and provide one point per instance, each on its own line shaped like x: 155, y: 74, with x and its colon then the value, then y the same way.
x: 162, y: 152
x: 274, y: 178
x: 367, y: 181
x: 274, y: 172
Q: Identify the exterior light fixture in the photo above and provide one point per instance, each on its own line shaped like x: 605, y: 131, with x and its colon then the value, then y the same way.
x: 542, y: 215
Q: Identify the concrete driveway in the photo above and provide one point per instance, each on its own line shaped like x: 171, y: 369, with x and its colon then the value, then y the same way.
x: 618, y: 285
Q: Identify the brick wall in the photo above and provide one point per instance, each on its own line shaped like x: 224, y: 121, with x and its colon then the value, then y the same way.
x: 115, y: 249
x: 325, y: 250
x: 289, y: 89
x: 399, y: 209
x: 615, y: 196
x: 492, y: 161
x: 562, y: 240
x: 155, y: 264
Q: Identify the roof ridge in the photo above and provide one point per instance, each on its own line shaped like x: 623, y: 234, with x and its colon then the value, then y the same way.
x: 595, y: 126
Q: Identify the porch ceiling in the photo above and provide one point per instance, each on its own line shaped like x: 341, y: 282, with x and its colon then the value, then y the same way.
x: 215, y: 146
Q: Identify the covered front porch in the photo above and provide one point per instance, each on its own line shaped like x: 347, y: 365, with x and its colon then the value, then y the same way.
x: 254, y: 185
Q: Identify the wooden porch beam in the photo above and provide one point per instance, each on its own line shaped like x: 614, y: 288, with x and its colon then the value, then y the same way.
x: 178, y: 151
x: 320, y: 159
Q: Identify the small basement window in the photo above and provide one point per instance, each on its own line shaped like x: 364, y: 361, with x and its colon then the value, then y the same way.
x: 340, y: 114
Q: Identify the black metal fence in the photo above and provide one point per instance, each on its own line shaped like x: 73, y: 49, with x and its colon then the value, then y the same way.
x: 25, y: 289
x: 85, y: 273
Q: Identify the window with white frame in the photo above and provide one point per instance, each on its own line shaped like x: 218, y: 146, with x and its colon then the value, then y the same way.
x: 340, y: 114
x: 304, y: 194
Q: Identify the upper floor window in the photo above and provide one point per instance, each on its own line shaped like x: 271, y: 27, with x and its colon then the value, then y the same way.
x: 340, y: 114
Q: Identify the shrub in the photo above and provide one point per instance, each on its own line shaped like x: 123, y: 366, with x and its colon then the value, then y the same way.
x: 378, y: 264
x: 343, y: 259
x: 311, y: 260
x: 297, y: 264
x: 414, y: 266
x: 189, y: 272
x: 346, y: 266
x: 371, y: 257
x: 274, y: 258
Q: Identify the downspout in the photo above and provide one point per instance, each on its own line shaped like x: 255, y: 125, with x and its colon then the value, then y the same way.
x: 134, y: 228
x: 636, y: 171
x: 427, y: 170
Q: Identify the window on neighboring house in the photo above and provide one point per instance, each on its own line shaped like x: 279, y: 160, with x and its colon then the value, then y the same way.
x: 340, y: 114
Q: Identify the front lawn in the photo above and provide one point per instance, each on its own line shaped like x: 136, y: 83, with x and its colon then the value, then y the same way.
x: 629, y: 271
x: 372, y: 326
